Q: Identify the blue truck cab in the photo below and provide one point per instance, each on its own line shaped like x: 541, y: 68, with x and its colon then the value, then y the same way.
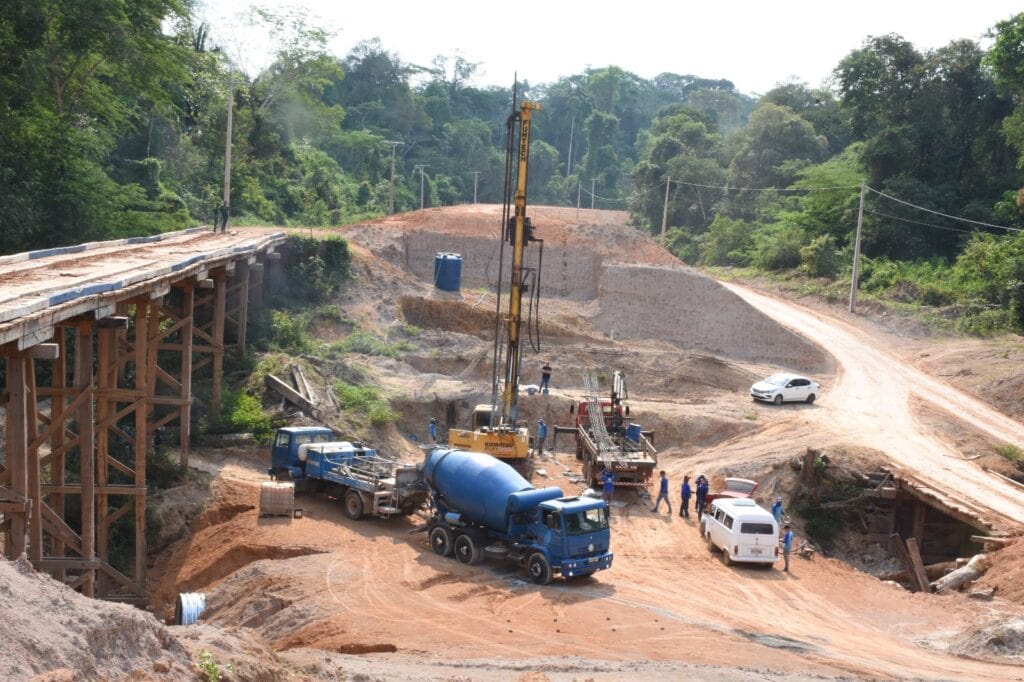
x: 285, y: 460
x: 482, y: 506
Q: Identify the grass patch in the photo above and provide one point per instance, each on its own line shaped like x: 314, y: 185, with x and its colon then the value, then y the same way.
x: 1010, y: 452
x: 368, y: 343
x: 365, y: 401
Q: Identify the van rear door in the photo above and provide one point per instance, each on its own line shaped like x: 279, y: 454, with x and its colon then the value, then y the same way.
x: 757, y: 540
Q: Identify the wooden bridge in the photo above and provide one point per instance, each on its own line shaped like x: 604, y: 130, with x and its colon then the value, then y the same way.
x: 100, y: 344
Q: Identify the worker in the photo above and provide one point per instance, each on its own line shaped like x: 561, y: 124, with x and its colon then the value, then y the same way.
x: 432, y: 430
x: 787, y: 546
x: 702, y: 494
x: 777, y: 510
x: 684, y: 493
x: 663, y: 494
x: 545, y: 377
x: 542, y: 435
x: 608, y: 485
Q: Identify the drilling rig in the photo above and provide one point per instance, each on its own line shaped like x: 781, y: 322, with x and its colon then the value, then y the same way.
x: 495, y: 428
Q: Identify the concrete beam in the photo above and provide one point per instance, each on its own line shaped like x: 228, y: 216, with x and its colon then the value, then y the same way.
x: 205, y: 283
x: 113, y: 322
x: 160, y: 291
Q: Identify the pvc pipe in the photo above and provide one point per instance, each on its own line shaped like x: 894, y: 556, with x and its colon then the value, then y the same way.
x: 188, y: 608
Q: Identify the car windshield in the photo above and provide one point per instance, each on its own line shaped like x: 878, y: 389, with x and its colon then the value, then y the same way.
x: 777, y: 379
x: 756, y: 528
x: 737, y: 485
x: 589, y: 521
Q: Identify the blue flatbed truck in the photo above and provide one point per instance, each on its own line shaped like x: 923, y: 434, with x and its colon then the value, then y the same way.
x: 367, y: 483
x: 482, y: 506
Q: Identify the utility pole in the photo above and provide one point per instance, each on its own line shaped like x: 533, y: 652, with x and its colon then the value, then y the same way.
x: 568, y: 161
x: 227, y: 142
x: 579, y: 195
x: 591, y: 192
x: 476, y: 178
x: 419, y: 167
x: 856, y: 251
x: 664, y: 213
x: 391, y: 197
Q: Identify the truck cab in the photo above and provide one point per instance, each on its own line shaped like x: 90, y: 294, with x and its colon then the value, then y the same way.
x: 574, y: 532
x: 286, y: 460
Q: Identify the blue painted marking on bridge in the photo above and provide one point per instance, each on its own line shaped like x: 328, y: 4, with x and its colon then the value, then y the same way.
x: 187, y: 262
x: 81, y: 292
x: 56, y: 251
x: 145, y: 240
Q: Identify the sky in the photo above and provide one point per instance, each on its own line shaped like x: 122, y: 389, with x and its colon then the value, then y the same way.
x: 755, y: 44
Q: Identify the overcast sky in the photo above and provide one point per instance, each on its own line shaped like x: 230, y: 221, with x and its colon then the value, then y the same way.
x: 753, y: 43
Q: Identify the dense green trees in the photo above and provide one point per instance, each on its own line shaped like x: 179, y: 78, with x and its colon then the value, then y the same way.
x: 113, y: 123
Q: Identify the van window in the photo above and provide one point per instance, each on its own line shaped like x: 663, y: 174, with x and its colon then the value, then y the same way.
x: 756, y: 528
x: 727, y: 521
x: 719, y: 515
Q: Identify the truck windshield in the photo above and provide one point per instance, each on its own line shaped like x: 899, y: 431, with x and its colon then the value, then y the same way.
x: 303, y: 438
x: 589, y: 521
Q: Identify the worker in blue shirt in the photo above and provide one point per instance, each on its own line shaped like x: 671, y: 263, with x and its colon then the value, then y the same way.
x: 432, y: 430
x: 684, y: 493
x: 663, y: 495
x: 608, y: 485
x: 777, y: 510
x: 787, y: 546
x: 542, y: 435
x: 702, y: 495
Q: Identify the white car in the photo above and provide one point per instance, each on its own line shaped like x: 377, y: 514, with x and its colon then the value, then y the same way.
x: 780, y: 388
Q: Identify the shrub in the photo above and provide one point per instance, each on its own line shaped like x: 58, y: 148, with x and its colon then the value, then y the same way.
x: 368, y: 343
x: 365, y: 401
x: 778, y: 247
x: 1009, y: 452
x: 288, y: 331
x: 821, y: 258
x: 726, y: 242
x: 242, y: 413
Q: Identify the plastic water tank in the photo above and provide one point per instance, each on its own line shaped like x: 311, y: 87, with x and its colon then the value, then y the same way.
x: 448, y: 271
x: 633, y: 433
x: 188, y: 607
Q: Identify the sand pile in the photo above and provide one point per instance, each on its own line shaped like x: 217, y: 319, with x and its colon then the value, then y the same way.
x: 51, y: 629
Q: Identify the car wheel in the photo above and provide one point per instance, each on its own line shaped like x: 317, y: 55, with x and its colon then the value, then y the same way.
x: 711, y: 545
x: 778, y: 399
x: 725, y: 556
x: 810, y: 399
x: 441, y: 541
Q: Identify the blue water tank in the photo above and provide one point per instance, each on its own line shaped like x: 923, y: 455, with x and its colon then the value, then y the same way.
x: 448, y: 271
x: 633, y: 432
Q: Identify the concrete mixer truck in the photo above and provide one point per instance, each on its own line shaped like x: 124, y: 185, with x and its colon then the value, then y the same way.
x: 484, y: 507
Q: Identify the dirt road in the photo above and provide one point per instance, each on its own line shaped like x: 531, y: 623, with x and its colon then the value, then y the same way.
x: 871, y: 397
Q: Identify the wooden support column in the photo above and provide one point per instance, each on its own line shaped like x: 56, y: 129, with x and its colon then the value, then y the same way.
x: 219, y: 300
x: 106, y: 372
x: 141, y: 334
x: 185, y: 415
x: 17, y: 454
x: 242, y: 279
x: 256, y: 289
x: 83, y: 379
x: 276, y: 276
x: 35, y: 520
x: 58, y: 404
x: 920, y: 510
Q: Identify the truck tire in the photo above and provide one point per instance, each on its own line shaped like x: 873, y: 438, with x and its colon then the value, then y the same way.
x: 538, y: 568
x: 354, y: 505
x: 725, y: 557
x: 466, y: 550
x: 441, y: 541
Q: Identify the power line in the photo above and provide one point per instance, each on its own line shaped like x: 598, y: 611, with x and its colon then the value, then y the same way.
x: 918, y: 222
x: 766, y: 189
x: 945, y: 215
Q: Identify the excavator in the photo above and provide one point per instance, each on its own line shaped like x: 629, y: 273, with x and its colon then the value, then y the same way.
x: 495, y: 428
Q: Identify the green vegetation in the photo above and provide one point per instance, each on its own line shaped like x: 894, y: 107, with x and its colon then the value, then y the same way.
x: 1010, y: 452
x: 364, y: 401
x: 368, y: 343
x: 209, y: 667
x: 134, y: 145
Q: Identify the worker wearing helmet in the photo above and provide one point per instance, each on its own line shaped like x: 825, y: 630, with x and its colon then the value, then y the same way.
x: 542, y: 435
x: 777, y: 510
x: 432, y: 430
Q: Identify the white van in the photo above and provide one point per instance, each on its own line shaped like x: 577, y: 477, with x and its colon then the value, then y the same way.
x: 742, y: 530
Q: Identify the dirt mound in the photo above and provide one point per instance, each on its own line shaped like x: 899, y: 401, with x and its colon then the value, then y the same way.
x: 51, y: 629
x: 999, y: 639
x: 1006, y: 574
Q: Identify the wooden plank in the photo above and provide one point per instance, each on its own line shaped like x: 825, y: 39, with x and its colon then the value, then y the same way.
x: 996, y: 473
x: 55, y: 526
x: 915, y: 559
x: 55, y: 564
x: 220, y: 300
x: 896, y: 542
x: 989, y: 540
x: 11, y: 507
x: 109, y: 489
x: 35, y: 520
x: 882, y: 493
x: 288, y: 393
x: 920, y: 510
x: 17, y: 454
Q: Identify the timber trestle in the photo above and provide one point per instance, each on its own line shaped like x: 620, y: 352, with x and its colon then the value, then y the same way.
x: 99, y: 375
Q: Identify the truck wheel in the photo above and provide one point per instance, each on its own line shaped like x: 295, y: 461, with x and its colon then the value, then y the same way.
x: 441, y: 541
x: 466, y: 550
x: 711, y: 545
x: 353, y: 505
x: 725, y: 556
x: 538, y: 568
